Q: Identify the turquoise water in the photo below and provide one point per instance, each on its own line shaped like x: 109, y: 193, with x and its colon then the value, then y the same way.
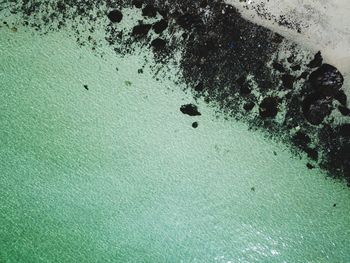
x: 117, y: 174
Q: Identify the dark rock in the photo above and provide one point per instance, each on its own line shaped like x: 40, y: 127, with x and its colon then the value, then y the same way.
x: 115, y: 16
x: 141, y: 30
x: 160, y: 26
x: 265, y: 84
x: 304, y: 75
x: 288, y: 81
x: 344, y: 110
x: 248, y: 106
x: 149, y: 11
x: 244, y: 87
x: 268, y: 107
x: 86, y: 87
x: 137, y: 3
x: 311, y: 153
x: 278, y: 66
x: 241, y: 80
x: 301, y: 140
x: 316, y: 108
x: 158, y: 44
x: 190, y: 109
x: 195, y: 125
x: 326, y: 80
x: 341, y: 97
x: 199, y: 87
x: 277, y: 38
x: 203, y: 4
x: 310, y: 166
x: 291, y: 59
x: 296, y: 67
x: 317, y: 61
x: 344, y: 130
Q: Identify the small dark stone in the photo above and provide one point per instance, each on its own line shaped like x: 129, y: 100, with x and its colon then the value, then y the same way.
x: 190, y: 109
x: 326, y: 80
x: 203, y: 4
x: 278, y: 66
x: 195, y: 125
x: 301, y: 139
x: 296, y: 67
x: 243, y: 84
x: 304, y: 75
x: 158, y: 43
x: 149, y: 11
x: 310, y: 166
x: 137, y: 3
x: 317, y: 61
x: 341, y: 97
x: 140, y: 71
x: 115, y: 16
x: 288, y: 81
x: 265, y: 84
x: 252, y: 189
x: 141, y: 30
x: 245, y: 89
x: 199, y: 87
x: 334, y: 205
x: 311, y: 153
x: 248, y: 106
x: 86, y: 87
x: 241, y: 80
x: 315, y: 108
x: 160, y: 26
x: 268, y: 107
x: 344, y: 130
x: 291, y: 59
x: 344, y: 110
x: 277, y: 38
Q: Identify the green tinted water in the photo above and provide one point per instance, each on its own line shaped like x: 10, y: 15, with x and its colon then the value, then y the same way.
x: 117, y: 173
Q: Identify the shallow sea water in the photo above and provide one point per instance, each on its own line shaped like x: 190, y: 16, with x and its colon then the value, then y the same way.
x: 117, y: 174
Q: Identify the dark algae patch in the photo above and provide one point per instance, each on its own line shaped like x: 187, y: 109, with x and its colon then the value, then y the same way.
x: 246, y: 71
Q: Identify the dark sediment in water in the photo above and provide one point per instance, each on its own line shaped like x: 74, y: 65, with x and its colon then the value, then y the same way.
x: 226, y: 60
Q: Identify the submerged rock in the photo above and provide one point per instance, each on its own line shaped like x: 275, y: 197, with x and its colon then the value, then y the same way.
x: 158, y: 44
x: 160, y: 26
x: 190, y: 109
x: 316, y: 108
x: 317, y: 61
x: 141, y: 30
x: 115, y: 16
x: 268, y: 107
x: 326, y: 80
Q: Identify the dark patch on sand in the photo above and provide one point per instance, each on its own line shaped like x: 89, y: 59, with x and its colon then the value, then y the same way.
x: 190, y: 109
